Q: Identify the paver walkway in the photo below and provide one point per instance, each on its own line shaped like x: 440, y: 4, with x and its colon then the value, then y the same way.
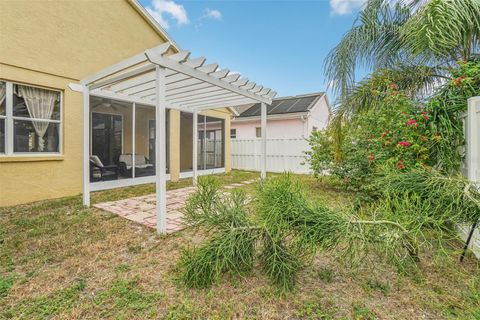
x: 142, y: 209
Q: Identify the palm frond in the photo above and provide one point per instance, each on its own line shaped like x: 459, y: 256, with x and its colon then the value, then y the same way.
x: 445, y: 29
x: 372, y: 42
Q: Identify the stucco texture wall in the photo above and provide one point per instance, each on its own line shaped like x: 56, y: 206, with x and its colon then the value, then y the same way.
x: 51, y: 44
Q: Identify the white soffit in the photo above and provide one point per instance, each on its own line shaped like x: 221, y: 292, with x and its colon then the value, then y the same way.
x: 191, y: 84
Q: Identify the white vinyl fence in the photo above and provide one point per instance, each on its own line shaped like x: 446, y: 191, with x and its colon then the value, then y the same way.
x: 471, y: 167
x: 282, y: 155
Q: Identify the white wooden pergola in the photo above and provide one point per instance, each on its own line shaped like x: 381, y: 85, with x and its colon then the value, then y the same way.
x: 171, y: 81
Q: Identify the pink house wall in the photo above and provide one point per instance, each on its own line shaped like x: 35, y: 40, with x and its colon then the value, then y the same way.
x: 288, y: 128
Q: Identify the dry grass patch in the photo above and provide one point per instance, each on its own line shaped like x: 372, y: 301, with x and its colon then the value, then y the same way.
x: 59, y: 260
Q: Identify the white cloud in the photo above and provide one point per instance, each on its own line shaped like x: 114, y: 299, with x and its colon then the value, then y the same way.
x: 212, y: 14
x: 343, y: 7
x: 166, y: 10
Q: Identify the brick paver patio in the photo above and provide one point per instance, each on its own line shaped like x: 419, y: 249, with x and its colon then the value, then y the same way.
x: 142, y: 209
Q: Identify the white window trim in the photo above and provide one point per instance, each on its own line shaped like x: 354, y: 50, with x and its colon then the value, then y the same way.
x: 10, y: 118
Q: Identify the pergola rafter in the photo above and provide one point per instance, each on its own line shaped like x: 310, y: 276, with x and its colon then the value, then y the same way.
x: 158, y: 78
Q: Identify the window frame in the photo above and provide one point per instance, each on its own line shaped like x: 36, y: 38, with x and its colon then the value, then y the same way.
x: 233, y: 133
x: 257, y: 130
x: 4, y: 117
x: 10, y: 120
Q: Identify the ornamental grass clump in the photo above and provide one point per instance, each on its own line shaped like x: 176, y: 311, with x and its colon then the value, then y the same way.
x: 435, y: 200
x: 282, y: 229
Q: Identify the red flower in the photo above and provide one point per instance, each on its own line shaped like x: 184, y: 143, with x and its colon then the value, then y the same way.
x: 400, y: 165
x: 393, y: 86
x: 458, y: 81
x: 371, y: 158
x: 412, y: 122
x: 425, y: 115
x: 404, y: 144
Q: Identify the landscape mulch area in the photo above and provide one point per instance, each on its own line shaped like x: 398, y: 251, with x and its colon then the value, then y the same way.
x: 59, y: 260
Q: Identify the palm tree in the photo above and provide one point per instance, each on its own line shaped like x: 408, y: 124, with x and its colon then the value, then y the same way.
x: 413, y: 42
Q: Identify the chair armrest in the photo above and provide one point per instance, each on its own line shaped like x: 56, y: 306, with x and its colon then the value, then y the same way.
x: 95, y: 165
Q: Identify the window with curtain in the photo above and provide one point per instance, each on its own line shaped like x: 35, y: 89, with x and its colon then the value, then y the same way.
x: 3, y: 116
x: 33, y: 116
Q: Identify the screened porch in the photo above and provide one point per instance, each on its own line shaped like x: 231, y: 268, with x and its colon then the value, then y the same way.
x: 122, y: 143
x: 161, y: 80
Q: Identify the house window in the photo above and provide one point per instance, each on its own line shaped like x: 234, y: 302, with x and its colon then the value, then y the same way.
x: 3, y: 116
x: 314, y: 128
x: 258, y: 132
x: 233, y: 133
x: 30, y: 119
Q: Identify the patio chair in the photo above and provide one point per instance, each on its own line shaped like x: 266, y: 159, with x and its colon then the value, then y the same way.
x: 100, y: 172
x: 143, y: 167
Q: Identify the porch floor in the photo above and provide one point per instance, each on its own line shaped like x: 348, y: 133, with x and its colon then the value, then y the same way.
x: 142, y: 209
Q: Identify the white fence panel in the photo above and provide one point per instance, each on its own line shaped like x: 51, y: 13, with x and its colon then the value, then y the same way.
x: 282, y: 155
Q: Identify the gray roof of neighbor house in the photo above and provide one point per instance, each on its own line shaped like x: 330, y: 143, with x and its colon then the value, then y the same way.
x: 301, y: 103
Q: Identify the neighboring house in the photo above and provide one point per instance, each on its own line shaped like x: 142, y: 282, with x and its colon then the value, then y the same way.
x: 46, y: 48
x: 288, y: 117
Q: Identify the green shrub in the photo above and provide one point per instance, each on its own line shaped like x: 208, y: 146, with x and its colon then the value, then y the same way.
x: 395, y: 135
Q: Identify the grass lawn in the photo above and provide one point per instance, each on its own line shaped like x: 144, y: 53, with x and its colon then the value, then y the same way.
x: 60, y: 260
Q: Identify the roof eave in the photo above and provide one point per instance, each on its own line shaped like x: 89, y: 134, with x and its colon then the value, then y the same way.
x: 154, y: 24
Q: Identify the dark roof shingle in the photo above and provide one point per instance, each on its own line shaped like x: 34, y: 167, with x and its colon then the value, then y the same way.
x: 285, y: 105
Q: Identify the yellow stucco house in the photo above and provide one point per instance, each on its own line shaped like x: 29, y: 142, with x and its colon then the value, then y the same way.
x: 48, y: 147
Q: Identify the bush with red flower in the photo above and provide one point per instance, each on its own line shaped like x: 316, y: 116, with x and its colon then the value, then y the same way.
x: 398, y: 132
x: 396, y: 135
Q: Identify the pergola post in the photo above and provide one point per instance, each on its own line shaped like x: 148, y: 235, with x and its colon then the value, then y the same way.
x: 134, y: 132
x: 160, y: 148
x: 263, y: 157
x: 86, y: 146
x: 195, y: 147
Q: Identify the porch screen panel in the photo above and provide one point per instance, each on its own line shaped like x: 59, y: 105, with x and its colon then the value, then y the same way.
x: 145, y: 141
x: 211, y: 146
x: 107, y: 137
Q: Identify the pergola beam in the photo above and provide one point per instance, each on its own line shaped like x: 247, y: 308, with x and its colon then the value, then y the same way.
x: 215, y: 105
x: 125, y: 64
x: 154, y: 78
x: 195, y: 73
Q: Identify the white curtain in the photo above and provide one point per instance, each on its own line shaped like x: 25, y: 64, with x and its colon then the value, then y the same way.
x: 40, y: 104
x: 3, y: 92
